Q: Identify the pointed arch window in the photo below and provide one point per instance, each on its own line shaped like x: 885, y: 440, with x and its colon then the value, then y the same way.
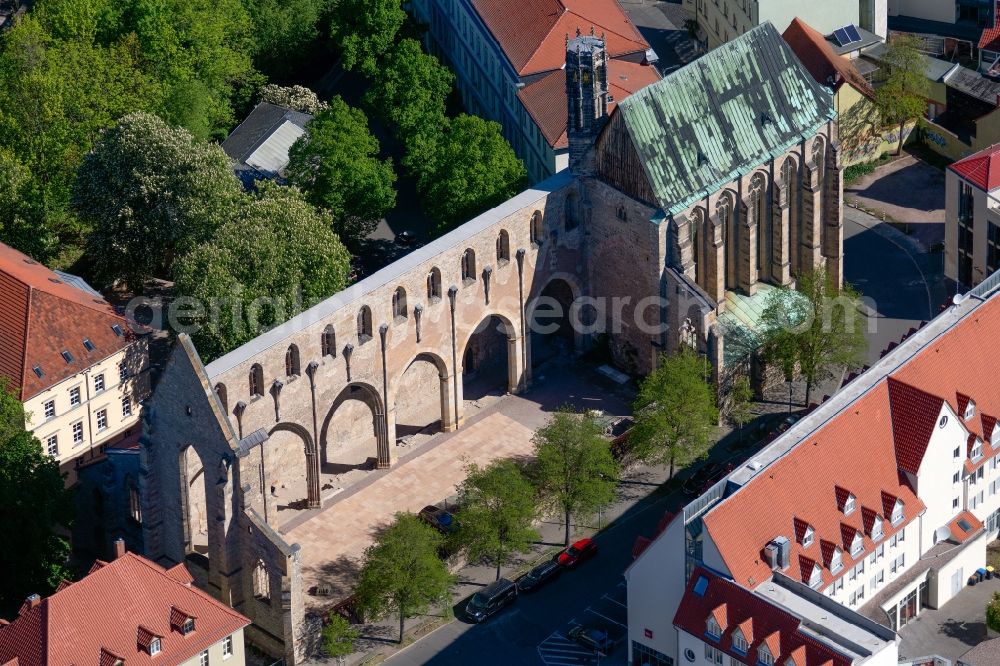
x: 724, y: 217
x: 364, y: 324
x: 503, y: 247
x: 468, y: 266
x: 256, y: 380
x: 399, y: 310
x: 757, y: 211
x: 537, y: 230
x: 328, y: 342
x: 292, y: 367
x: 434, y: 285
x: 261, y: 582
x: 220, y: 391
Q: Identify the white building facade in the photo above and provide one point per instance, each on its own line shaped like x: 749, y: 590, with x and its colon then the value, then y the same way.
x: 876, y: 505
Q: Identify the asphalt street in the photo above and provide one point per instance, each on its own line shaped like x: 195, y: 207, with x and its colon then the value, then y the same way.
x: 902, y: 284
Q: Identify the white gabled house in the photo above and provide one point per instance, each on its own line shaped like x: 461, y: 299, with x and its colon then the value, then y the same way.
x: 878, y: 504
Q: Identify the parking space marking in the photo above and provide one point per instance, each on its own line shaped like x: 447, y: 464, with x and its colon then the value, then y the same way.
x: 558, y: 650
x: 614, y: 601
x: 591, y: 610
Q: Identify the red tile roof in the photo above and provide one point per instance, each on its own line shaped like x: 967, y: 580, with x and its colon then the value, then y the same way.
x: 760, y: 621
x: 40, y: 316
x: 545, y: 98
x: 533, y: 34
x: 982, y: 169
x: 109, y: 614
x: 852, y: 454
x: 823, y: 63
x: 959, y: 533
x: 914, y: 415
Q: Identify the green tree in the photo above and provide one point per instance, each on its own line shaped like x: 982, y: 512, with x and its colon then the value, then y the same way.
x: 574, y: 469
x: 336, y: 164
x: 473, y: 169
x: 411, y: 89
x: 16, y: 214
x: 902, y: 97
x: 498, y: 509
x: 151, y: 193
x: 276, y: 256
x: 401, y: 572
x: 339, y: 637
x: 286, y: 34
x: 740, y: 401
x: 817, y: 327
x: 675, y: 413
x: 55, y: 98
x: 364, y: 30
x: 993, y: 613
x: 297, y: 98
x: 36, y: 505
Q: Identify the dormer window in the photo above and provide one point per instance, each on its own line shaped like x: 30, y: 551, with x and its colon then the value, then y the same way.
x: 876, y: 528
x: 849, y: 504
x: 154, y: 647
x: 188, y: 626
x: 857, y: 545
x: 807, y: 536
x: 712, y: 628
x: 995, y: 436
x: 836, y: 560
x: 740, y: 643
x: 897, y: 513
x: 970, y: 410
x: 764, y: 656
x: 977, y: 450
x: 816, y: 578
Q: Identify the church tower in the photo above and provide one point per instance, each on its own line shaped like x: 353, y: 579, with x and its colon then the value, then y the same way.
x: 586, y: 98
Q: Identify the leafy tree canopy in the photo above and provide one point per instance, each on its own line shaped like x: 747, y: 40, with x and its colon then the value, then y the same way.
x: 36, y: 503
x: 410, y: 89
x: 151, y: 192
x: 273, y: 259
x: 675, y: 412
x: 297, y: 98
x: 401, y: 572
x: 286, y: 34
x: 574, y: 469
x: 336, y: 163
x: 473, y: 169
x: 818, y: 328
x: 993, y: 613
x: 339, y: 637
x: 902, y: 96
x: 498, y: 508
x: 364, y: 30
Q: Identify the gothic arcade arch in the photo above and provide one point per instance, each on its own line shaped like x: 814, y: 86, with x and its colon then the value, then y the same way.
x: 353, y: 429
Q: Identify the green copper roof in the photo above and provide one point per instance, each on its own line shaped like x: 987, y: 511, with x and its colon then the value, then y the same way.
x: 720, y: 116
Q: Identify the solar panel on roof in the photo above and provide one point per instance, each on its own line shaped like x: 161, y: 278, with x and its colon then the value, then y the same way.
x: 840, y: 35
x: 852, y: 33
x: 700, y: 586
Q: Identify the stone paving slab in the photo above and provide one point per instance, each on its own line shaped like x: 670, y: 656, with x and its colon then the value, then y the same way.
x: 334, y: 540
x: 951, y: 630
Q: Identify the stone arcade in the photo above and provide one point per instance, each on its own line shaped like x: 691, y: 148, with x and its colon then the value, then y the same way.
x: 723, y: 176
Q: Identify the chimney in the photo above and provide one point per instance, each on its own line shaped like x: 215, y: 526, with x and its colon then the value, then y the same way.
x: 119, y: 547
x: 31, y: 602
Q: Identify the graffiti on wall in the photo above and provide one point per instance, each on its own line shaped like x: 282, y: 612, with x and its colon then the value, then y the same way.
x: 935, y: 138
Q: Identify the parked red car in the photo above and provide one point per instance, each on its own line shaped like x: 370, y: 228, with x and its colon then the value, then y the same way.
x: 582, y: 550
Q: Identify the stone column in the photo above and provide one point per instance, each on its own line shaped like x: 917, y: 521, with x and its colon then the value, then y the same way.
x: 514, y: 364
x: 682, y: 254
x: 747, y: 268
x: 781, y: 264
x: 312, y: 453
x: 715, y: 272
x: 833, y: 215
x: 448, y: 420
x: 387, y: 448
x: 810, y: 245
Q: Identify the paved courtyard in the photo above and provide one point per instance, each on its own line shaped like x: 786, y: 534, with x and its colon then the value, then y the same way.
x: 334, y: 538
x: 952, y: 629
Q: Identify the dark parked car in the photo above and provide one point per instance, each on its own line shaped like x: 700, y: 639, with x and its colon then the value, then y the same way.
x: 702, y: 476
x: 582, y: 550
x: 490, y: 599
x: 593, y: 638
x: 439, y: 519
x: 538, y: 576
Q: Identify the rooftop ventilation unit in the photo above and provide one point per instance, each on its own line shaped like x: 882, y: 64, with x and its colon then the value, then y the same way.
x: 778, y: 553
